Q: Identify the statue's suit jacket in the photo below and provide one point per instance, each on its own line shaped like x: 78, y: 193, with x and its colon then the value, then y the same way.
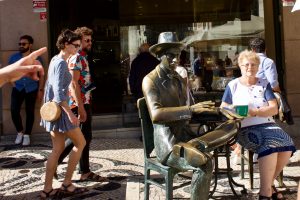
x: 165, y: 94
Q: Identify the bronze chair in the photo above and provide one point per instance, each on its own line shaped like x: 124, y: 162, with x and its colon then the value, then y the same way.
x: 168, y: 172
x: 150, y: 162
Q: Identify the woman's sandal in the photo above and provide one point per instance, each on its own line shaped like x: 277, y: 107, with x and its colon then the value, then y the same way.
x: 45, y: 195
x: 276, y: 195
x: 78, y: 190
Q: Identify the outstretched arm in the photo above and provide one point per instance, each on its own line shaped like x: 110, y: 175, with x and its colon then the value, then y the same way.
x: 159, y: 113
x: 27, y: 66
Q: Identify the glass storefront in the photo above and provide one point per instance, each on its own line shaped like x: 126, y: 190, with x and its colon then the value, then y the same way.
x: 216, y: 30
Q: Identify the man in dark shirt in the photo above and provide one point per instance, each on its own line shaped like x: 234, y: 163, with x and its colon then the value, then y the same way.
x: 198, y: 65
x: 140, y: 67
x: 25, y: 89
x: 198, y: 70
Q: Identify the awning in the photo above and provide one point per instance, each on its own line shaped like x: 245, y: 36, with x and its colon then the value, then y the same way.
x: 232, y: 32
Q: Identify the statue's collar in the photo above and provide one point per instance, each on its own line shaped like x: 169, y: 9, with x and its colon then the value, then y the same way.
x: 169, y: 72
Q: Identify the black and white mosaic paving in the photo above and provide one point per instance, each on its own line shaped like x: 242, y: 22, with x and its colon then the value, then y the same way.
x: 22, y: 173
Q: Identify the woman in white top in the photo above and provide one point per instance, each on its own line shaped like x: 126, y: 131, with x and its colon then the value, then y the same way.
x: 259, y: 132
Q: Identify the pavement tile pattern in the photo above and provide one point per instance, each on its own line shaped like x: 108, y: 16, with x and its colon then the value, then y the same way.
x: 22, y: 173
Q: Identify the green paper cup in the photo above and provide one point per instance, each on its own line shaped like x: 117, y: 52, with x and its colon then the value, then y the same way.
x: 242, y: 110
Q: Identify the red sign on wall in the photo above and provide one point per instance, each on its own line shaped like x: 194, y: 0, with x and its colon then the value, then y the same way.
x: 43, y: 16
x: 39, y: 5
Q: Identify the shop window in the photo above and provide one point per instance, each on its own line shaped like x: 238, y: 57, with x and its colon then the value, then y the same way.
x: 219, y: 30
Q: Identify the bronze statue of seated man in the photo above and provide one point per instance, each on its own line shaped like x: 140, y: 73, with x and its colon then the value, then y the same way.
x: 176, y: 145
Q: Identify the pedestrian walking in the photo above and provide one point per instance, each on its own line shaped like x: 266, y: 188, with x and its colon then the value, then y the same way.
x: 59, y: 79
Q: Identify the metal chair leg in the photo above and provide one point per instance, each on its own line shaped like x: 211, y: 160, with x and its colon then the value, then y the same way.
x: 242, y: 163
x: 250, y: 166
x: 147, y: 185
x: 280, y: 179
x: 215, y: 174
x: 169, y: 186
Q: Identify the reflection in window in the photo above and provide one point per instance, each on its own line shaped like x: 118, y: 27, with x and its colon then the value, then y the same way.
x: 217, y: 40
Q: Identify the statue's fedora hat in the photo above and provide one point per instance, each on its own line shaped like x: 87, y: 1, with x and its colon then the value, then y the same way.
x: 166, y: 40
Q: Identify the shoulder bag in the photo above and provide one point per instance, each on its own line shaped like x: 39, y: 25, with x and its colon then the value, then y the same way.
x: 50, y: 111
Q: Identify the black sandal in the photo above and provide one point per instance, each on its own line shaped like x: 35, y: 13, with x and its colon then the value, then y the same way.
x: 48, y: 194
x: 275, y: 194
x: 77, y: 190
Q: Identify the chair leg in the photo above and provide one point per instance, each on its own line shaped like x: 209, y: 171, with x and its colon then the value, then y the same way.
x: 169, y: 186
x: 280, y: 179
x: 250, y: 167
x: 147, y: 185
x: 242, y: 163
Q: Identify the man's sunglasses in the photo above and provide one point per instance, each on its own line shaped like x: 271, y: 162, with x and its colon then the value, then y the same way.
x: 88, y: 40
x: 23, y: 44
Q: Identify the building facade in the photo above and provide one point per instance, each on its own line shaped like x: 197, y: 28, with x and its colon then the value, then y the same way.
x: 216, y: 28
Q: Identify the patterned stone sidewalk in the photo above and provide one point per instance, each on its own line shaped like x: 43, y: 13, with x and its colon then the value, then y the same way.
x: 22, y: 173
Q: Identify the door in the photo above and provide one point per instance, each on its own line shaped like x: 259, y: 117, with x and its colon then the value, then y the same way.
x: 105, y: 67
x: 104, y: 59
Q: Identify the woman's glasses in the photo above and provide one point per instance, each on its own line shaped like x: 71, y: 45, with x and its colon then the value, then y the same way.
x: 249, y: 64
x: 75, y: 45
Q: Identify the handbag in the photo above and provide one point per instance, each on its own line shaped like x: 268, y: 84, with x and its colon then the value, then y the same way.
x: 285, y: 112
x: 50, y: 111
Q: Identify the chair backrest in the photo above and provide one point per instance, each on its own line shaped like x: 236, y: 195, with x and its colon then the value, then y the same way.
x: 147, y: 127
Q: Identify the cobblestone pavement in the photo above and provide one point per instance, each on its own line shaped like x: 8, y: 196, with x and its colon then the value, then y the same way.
x: 22, y: 173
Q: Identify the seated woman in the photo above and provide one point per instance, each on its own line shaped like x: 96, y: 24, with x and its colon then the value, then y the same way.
x: 259, y: 132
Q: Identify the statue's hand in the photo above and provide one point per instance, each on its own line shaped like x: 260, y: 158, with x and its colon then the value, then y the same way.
x: 204, y: 106
x: 230, y: 114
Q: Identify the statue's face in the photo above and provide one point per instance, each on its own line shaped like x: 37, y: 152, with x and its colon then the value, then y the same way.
x: 172, y: 56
